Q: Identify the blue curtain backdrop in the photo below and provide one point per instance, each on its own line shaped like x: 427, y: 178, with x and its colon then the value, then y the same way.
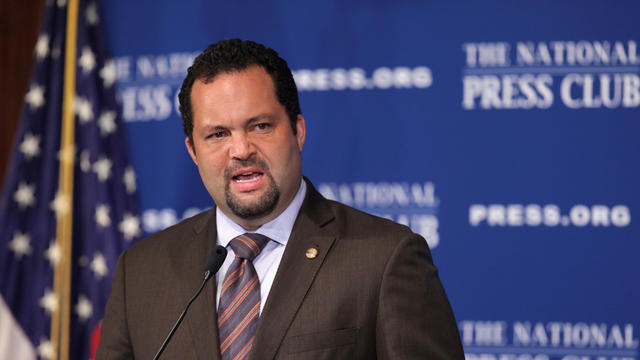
x: 506, y: 132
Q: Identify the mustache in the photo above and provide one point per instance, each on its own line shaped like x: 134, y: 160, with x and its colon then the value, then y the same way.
x: 253, y: 161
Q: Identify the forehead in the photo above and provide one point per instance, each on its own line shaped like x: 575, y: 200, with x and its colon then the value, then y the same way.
x: 235, y: 92
x: 253, y: 79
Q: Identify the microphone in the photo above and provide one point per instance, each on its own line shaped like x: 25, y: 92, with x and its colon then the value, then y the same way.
x: 215, y: 260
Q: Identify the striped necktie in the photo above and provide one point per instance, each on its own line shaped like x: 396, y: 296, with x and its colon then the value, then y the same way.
x: 239, y: 306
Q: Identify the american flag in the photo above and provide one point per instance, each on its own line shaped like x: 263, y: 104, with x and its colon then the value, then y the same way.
x: 104, y: 212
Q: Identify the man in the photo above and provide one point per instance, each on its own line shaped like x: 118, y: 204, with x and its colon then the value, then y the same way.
x: 319, y: 280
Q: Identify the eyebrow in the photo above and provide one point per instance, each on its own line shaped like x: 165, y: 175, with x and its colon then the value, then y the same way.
x: 213, y: 128
x: 251, y: 120
x: 257, y: 118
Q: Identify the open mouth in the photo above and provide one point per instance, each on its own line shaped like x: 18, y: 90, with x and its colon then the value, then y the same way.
x: 247, y: 176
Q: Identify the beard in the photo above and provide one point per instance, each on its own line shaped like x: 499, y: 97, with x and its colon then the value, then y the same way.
x: 256, y: 208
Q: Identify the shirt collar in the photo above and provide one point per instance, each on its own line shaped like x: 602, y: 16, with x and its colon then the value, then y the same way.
x: 278, y: 229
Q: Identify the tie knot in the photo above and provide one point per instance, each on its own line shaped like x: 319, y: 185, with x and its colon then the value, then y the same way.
x: 248, y: 245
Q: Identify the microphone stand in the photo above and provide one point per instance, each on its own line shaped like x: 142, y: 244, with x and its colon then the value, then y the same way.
x: 213, y: 264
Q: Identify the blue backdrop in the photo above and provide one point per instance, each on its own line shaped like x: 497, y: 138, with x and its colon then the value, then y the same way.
x: 505, y: 132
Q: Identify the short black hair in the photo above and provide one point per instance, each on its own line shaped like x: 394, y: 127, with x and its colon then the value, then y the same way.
x: 236, y: 55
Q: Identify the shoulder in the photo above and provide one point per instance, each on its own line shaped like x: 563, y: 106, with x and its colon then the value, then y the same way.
x: 163, y: 241
x: 354, y: 222
x: 368, y: 239
x: 347, y: 223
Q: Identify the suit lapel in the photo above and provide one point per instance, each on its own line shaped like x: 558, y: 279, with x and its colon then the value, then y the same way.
x: 295, y: 274
x: 201, y: 318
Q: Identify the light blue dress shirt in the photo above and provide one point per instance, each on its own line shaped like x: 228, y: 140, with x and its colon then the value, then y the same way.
x: 266, y: 263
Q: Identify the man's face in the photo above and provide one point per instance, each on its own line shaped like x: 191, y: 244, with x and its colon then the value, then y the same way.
x: 244, y: 147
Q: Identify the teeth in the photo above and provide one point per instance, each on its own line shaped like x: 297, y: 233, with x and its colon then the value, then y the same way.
x: 247, y: 180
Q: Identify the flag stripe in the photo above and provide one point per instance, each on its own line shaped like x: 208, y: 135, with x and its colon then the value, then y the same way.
x: 13, y: 338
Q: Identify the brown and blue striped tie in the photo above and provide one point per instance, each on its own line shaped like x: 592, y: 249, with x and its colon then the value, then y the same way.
x: 239, y: 306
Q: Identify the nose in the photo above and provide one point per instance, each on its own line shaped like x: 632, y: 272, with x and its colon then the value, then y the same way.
x: 241, y: 147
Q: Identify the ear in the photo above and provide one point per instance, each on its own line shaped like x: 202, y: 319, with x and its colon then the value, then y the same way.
x: 301, y: 131
x: 191, y: 150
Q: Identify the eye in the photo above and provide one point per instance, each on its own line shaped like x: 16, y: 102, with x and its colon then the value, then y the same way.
x: 217, y: 134
x: 262, y: 126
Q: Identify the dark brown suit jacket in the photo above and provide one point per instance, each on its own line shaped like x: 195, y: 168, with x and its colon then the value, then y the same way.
x: 372, y: 292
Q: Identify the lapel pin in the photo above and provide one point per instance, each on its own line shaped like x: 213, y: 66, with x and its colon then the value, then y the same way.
x: 311, y: 253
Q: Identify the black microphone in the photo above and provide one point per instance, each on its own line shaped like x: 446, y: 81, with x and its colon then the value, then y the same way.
x: 215, y: 260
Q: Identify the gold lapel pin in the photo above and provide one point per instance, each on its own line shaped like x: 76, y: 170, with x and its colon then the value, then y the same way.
x: 311, y: 253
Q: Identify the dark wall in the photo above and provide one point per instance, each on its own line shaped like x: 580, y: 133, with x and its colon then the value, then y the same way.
x: 19, y: 23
